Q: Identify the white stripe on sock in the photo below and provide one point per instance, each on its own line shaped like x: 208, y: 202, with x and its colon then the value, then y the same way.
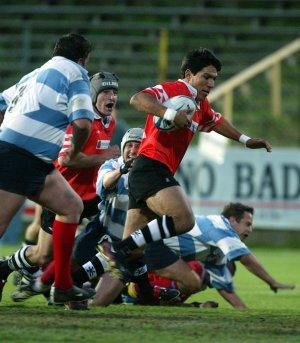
x: 154, y: 230
x: 165, y: 227
x: 103, y: 262
x: 138, y: 238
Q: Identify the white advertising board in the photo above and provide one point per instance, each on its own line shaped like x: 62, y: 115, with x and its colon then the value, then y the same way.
x: 270, y: 182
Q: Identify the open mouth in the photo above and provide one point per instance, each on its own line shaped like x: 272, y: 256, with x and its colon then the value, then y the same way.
x: 110, y: 106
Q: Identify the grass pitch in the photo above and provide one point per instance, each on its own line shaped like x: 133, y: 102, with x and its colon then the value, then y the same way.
x: 271, y: 317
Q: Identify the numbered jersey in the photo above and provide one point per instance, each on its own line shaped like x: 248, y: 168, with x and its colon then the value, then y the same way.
x: 41, y: 106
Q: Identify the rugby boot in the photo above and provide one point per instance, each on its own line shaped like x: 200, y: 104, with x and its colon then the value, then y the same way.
x: 165, y: 295
x: 115, y: 261
x: 28, y: 289
x: 60, y: 296
x: 77, y: 305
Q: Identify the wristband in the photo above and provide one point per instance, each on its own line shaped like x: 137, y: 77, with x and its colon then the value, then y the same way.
x: 170, y: 114
x: 243, y: 139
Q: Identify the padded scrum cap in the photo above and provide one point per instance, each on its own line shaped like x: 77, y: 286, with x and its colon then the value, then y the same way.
x: 102, y: 81
x: 132, y: 135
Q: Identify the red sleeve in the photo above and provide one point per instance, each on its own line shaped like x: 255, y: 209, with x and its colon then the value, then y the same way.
x: 67, y: 141
x: 167, y: 90
x: 209, y: 118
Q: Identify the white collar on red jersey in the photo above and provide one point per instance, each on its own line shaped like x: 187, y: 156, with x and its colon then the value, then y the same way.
x: 191, y: 88
x: 105, y: 120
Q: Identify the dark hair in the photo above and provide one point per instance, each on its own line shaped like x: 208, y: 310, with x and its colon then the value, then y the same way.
x: 197, y: 59
x: 236, y: 210
x: 72, y: 46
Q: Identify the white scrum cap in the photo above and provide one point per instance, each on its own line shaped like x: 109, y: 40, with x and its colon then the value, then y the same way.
x: 132, y: 135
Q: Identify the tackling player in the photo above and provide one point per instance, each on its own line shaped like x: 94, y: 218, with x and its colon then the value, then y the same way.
x: 217, y: 241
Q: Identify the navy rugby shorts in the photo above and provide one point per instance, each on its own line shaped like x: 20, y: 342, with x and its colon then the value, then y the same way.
x: 158, y: 256
x: 146, y: 178
x: 20, y: 171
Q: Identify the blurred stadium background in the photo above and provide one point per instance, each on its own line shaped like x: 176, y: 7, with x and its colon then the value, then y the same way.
x: 143, y: 42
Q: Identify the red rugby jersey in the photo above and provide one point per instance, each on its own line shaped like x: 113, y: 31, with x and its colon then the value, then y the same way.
x: 83, y: 180
x: 169, y: 147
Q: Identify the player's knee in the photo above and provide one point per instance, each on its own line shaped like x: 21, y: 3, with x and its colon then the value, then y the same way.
x: 73, y: 207
x: 76, y: 205
x: 191, y: 284
x: 184, y: 222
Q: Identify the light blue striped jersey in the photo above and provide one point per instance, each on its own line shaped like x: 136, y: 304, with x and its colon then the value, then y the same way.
x: 42, y: 104
x: 213, y: 241
x: 114, y: 202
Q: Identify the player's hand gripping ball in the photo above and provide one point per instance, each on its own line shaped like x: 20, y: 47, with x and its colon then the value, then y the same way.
x: 179, y: 102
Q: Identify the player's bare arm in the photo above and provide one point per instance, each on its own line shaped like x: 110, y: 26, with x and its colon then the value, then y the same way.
x: 82, y: 160
x: 111, y: 178
x: 255, y: 267
x: 81, y: 132
x: 258, y: 143
x: 147, y: 103
x: 226, y: 129
x: 232, y: 298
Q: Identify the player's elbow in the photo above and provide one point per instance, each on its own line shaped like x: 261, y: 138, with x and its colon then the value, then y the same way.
x: 138, y: 100
x: 82, y: 124
x: 134, y: 100
x: 62, y: 161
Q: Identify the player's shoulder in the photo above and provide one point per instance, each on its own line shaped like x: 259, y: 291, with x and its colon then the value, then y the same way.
x: 173, y: 88
x: 69, y: 69
x: 112, y: 164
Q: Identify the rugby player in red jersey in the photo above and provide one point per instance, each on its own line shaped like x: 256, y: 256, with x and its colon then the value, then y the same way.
x: 158, y: 207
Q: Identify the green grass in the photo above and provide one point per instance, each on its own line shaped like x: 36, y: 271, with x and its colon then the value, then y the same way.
x: 271, y: 318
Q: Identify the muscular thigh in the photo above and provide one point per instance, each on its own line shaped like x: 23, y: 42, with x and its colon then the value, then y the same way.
x: 58, y: 196
x: 187, y: 279
x: 178, y: 271
x: 173, y: 202
x: 10, y: 204
x: 152, y: 185
x: 137, y: 218
x: 170, y: 201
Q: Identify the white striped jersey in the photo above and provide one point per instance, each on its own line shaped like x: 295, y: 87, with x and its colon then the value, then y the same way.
x: 42, y: 104
x: 114, y: 202
x: 213, y: 241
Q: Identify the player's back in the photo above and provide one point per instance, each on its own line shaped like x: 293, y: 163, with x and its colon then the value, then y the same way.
x: 40, y: 110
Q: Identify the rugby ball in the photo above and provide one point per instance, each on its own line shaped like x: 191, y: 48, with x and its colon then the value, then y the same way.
x: 179, y: 102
